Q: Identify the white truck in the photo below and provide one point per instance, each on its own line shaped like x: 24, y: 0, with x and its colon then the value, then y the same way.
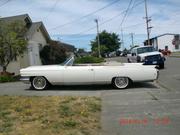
x: 147, y: 55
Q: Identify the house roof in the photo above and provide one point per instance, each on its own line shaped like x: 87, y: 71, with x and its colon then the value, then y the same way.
x: 17, y: 17
x: 34, y: 26
x: 163, y: 35
x: 68, y: 47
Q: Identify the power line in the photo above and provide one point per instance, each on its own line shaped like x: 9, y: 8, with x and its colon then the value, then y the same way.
x: 52, y: 9
x: 5, y: 3
x: 134, y: 25
x: 106, y: 6
x: 130, y: 10
x: 108, y: 20
x: 126, y: 13
x: 124, y: 17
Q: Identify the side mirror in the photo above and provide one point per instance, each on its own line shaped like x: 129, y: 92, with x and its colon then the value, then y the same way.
x: 133, y: 54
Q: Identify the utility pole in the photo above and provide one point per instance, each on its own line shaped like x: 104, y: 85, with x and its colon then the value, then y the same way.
x: 99, y: 47
x: 132, y: 38
x: 122, y: 39
x: 147, y: 23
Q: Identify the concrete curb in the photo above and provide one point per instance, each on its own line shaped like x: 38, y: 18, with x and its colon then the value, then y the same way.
x: 175, y: 56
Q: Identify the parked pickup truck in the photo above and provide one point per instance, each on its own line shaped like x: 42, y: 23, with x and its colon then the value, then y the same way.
x: 147, y: 55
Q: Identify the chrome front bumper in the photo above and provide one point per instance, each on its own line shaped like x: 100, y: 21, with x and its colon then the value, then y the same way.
x: 157, y: 75
x: 25, y: 80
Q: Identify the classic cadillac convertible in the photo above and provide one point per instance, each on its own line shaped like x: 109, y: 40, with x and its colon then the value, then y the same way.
x: 120, y: 75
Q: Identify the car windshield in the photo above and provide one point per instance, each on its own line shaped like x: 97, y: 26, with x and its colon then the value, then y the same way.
x: 68, y: 62
x: 145, y: 49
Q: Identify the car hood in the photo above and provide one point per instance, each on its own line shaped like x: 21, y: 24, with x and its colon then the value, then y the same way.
x: 44, y: 67
x: 149, y: 54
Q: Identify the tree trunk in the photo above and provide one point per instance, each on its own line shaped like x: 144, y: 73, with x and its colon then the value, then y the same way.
x: 4, y: 68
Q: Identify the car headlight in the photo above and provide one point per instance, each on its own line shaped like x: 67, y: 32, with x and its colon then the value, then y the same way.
x: 143, y: 59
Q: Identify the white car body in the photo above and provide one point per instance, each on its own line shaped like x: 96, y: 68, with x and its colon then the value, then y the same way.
x: 90, y: 73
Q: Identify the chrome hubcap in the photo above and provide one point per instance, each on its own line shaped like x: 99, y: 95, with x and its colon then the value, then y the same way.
x: 39, y: 82
x: 121, y: 82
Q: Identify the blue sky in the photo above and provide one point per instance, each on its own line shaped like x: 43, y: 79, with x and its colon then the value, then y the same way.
x: 165, y: 15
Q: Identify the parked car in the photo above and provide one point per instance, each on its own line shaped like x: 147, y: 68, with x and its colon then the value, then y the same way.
x: 146, y: 55
x: 124, y: 53
x: 112, y: 54
x: 119, y: 75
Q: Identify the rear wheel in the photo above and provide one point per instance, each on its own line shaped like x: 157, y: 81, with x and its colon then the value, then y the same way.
x: 39, y: 83
x: 121, y: 82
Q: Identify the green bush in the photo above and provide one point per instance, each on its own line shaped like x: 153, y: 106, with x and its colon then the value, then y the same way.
x: 6, y: 78
x: 88, y: 59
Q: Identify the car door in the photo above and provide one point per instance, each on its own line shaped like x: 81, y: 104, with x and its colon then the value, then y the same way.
x: 132, y: 56
x: 78, y: 75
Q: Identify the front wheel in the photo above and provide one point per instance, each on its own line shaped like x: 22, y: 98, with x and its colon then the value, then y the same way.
x: 161, y: 66
x: 121, y: 82
x: 39, y: 83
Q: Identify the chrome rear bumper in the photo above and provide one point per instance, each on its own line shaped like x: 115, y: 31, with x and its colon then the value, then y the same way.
x: 25, y: 80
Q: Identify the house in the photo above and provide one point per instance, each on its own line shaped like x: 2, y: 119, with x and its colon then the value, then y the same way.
x: 166, y: 41
x: 37, y: 37
x: 70, y: 49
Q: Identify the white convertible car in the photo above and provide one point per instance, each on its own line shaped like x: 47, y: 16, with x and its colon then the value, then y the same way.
x: 118, y: 74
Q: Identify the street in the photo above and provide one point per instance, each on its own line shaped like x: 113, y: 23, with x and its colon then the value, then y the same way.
x: 145, y: 108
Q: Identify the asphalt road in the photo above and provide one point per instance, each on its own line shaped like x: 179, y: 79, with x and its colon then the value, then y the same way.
x: 145, y: 108
x: 147, y: 111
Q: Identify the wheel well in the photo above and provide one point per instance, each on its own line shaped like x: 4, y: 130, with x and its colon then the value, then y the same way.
x: 31, y: 78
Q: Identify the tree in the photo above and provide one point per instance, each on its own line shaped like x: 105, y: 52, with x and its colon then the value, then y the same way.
x: 12, y: 41
x: 53, y: 54
x: 109, y: 42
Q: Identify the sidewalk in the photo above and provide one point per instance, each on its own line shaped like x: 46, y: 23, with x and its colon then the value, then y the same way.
x: 175, y: 54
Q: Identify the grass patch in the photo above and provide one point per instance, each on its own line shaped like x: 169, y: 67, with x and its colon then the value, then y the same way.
x: 175, y: 53
x: 49, y: 115
x: 5, y: 78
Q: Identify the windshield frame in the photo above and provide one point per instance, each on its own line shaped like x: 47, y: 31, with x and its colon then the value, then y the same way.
x: 68, y: 62
x: 145, y: 50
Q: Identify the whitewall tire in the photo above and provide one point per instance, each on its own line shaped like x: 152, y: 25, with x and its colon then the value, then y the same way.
x: 121, y: 82
x: 39, y: 83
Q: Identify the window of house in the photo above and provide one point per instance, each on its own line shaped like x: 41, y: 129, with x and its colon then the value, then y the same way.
x: 176, y: 47
x: 40, y: 47
x: 28, y: 23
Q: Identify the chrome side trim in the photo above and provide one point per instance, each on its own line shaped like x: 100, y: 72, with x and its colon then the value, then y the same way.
x: 25, y: 80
